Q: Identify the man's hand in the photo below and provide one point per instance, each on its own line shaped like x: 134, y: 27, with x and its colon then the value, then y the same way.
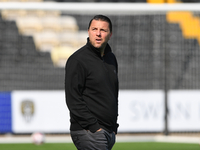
x: 99, y: 130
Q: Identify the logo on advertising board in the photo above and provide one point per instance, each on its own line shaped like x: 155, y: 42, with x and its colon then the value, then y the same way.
x: 27, y: 110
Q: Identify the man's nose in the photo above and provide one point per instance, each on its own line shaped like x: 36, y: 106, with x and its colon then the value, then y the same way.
x: 98, y: 32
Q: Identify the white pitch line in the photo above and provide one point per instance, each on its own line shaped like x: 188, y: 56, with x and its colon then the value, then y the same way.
x: 161, y: 138
x: 119, y: 138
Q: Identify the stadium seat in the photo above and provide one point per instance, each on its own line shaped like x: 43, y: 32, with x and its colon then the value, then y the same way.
x: 41, y: 23
x: 68, y: 23
x: 32, y: 0
x: 161, y: 1
x: 14, y: 0
x: 21, y: 0
x: 75, y: 39
x: 45, y: 41
x: 189, y: 23
x: 12, y: 14
x: 59, y: 23
x: 42, y: 13
x: 29, y: 25
x: 60, y: 54
x: 35, y: 13
x: 53, y: 13
x: 51, y: 23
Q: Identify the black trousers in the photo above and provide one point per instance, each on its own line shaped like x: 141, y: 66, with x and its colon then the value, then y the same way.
x: 86, y: 140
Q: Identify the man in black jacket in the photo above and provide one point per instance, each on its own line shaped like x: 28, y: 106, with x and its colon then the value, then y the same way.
x: 91, y: 89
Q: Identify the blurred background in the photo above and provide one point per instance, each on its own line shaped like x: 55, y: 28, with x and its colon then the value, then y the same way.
x: 158, y: 57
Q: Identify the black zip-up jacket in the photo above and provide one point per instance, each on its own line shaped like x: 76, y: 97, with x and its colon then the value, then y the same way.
x: 91, y: 89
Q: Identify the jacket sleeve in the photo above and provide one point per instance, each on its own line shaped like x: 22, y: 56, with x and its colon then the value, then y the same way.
x: 117, y: 89
x: 75, y: 76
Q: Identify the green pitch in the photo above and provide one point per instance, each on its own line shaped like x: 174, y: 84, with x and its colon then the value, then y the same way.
x: 117, y: 146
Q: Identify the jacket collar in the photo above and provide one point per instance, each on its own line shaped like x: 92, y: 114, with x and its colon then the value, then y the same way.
x: 96, y: 50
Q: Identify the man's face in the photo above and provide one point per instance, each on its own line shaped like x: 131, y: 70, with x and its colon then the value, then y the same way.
x: 99, y: 33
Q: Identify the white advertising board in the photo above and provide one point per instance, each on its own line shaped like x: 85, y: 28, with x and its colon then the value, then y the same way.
x: 184, y: 110
x: 141, y: 111
x: 46, y: 111
x: 39, y: 111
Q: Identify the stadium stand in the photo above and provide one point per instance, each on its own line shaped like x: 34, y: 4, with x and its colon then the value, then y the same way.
x: 58, y: 55
x: 21, y: 0
x: 122, y: 1
x: 22, y: 67
x: 45, y: 27
x: 28, y: 25
x: 45, y: 41
x: 131, y: 1
x: 12, y: 14
x: 27, y: 39
x: 138, y: 44
x: 30, y: 61
x: 186, y: 20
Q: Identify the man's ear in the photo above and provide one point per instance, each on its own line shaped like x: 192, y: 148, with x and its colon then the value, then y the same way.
x: 110, y: 35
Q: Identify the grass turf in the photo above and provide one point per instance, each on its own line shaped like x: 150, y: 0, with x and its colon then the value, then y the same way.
x: 117, y: 146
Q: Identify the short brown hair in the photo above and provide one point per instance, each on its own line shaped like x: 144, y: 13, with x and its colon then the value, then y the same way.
x: 102, y: 18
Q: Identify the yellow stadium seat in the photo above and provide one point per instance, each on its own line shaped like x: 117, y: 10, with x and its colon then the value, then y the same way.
x: 59, y: 23
x: 21, y: 0
x: 12, y: 14
x: 43, y: 13
x: 51, y: 23
x: 75, y: 39
x: 60, y: 54
x: 28, y: 25
x: 155, y: 1
x: 51, y: 13
x: 161, y: 1
x: 68, y: 23
x: 45, y: 41
x: 15, y: 0
x: 33, y: 0
x: 171, y: 1
x: 35, y: 13
x: 189, y: 23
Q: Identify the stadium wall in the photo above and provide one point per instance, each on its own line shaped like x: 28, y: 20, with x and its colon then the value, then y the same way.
x: 25, y: 112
